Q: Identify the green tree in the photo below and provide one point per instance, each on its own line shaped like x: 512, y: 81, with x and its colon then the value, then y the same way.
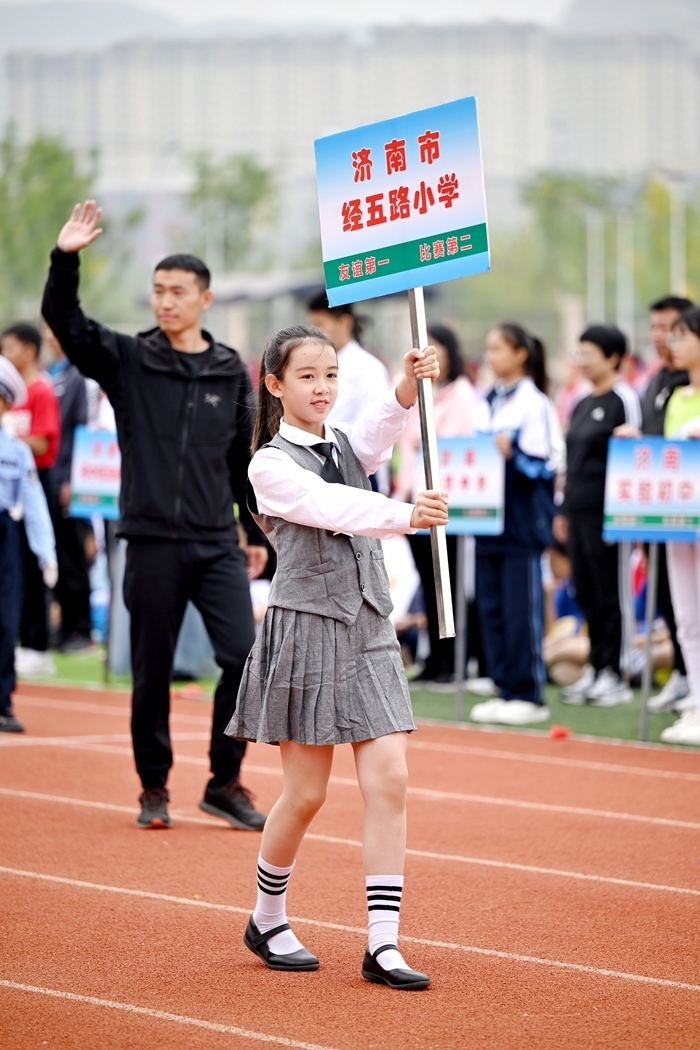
x: 232, y: 199
x: 39, y: 184
x: 559, y: 204
x: 653, y: 247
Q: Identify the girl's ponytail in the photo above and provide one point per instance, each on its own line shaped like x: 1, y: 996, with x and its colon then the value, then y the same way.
x: 275, y: 359
x: 536, y: 362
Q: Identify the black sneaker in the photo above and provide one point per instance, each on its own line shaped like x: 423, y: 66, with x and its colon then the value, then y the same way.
x: 233, y: 803
x: 154, y: 808
x: 10, y: 724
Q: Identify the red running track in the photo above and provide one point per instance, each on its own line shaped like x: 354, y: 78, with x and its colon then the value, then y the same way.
x: 552, y: 892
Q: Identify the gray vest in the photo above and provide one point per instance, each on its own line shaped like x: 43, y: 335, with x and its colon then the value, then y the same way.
x: 319, y: 572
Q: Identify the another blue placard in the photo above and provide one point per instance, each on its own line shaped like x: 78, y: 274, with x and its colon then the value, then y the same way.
x: 652, y: 490
x: 95, y: 474
x: 472, y: 472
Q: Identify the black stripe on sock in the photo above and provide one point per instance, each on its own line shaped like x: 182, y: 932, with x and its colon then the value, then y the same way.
x: 383, y: 907
x: 269, y: 888
x: 394, y: 889
x: 383, y: 897
x: 273, y: 882
x: 269, y: 875
x: 264, y: 881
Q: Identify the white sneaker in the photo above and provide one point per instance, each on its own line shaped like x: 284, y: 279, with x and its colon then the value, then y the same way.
x: 486, y: 712
x: 33, y: 662
x: 686, y: 730
x: 676, y: 689
x: 481, y: 686
x: 609, y: 690
x: 686, y: 704
x: 576, y: 692
x: 522, y: 713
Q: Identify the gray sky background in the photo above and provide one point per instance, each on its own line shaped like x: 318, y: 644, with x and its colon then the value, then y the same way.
x: 360, y: 11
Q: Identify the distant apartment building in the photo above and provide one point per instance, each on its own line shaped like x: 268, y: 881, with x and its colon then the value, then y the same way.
x: 617, y: 105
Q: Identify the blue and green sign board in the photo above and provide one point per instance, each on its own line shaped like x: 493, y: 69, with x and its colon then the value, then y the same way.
x: 402, y: 203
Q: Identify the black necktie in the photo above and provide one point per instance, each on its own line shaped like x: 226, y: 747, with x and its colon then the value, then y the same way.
x: 329, y: 471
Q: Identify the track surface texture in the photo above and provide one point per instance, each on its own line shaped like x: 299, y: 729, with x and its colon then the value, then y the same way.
x: 552, y: 893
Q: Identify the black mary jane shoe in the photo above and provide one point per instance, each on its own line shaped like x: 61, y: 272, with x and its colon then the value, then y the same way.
x: 404, y: 979
x: 257, y: 942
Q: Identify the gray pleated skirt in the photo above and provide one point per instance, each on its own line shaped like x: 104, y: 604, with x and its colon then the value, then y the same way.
x: 318, y: 681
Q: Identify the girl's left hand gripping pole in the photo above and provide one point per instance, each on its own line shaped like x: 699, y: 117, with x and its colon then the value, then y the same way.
x: 438, y: 540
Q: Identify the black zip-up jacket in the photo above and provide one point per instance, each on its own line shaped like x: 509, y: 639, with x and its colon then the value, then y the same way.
x: 184, y: 439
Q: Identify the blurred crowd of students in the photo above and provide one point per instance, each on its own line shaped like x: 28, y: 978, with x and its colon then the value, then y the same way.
x: 549, y: 598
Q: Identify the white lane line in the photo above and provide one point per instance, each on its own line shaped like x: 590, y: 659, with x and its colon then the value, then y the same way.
x: 550, y: 807
x: 432, y: 795
x: 551, y: 760
x: 468, y: 948
x: 63, y: 741
x: 332, y: 840
x: 88, y: 741
x: 558, y: 873
x: 95, y: 708
x: 84, y: 707
x: 107, y: 806
x: 162, y: 1015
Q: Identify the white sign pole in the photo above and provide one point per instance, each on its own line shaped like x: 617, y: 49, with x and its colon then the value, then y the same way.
x: 438, y: 539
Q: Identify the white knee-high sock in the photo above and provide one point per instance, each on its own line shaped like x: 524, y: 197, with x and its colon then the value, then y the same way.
x: 383, y: 907
x: 271, y: 907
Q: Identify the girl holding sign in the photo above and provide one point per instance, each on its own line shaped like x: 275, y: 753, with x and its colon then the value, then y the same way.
x: 326, y: 666
x: 683, y: 421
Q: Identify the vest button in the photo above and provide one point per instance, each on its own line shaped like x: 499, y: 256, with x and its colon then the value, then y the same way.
x: 362, y: 587
x: 359, y: 555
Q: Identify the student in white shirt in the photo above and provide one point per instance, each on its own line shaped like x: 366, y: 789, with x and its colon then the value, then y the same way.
x: 362, y: 376
x: 326, y: 666
x: 508, y: 571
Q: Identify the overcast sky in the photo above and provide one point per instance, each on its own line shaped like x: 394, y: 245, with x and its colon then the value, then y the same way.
x: 361, y: 11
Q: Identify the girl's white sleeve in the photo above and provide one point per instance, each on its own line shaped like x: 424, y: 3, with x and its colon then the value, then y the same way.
x: 482, y: 417
x: 535, y: 433
x: 283, y: 489
x: 374, y: 434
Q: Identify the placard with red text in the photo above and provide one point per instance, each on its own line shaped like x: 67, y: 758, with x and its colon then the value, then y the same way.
x: 652, y: 490
x: 402, y: 203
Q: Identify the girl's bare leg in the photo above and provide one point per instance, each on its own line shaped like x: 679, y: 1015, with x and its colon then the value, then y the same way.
x: 306, y: 771
x: 382, y: 775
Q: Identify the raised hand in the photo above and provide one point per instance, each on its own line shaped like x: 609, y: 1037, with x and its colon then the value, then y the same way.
x: 422, y: 364
x: 418, y: 364
x: 81, y: 229
x: 430, y: 509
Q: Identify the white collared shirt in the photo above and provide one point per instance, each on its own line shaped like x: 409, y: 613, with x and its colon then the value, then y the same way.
x: 283, y: 489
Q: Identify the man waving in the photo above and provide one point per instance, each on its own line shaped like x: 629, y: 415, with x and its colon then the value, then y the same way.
x: 182, y: 406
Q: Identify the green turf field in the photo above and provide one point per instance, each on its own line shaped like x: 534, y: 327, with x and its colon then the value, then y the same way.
x: 621, y: 723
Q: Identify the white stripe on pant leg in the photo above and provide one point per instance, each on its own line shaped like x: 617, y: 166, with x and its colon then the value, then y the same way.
x: 625, y: 598
x: 536, y: 616
x: 683, y: 561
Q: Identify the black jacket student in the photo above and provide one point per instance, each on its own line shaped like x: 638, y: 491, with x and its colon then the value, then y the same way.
x: 184, y: 426
x: 184, y: 437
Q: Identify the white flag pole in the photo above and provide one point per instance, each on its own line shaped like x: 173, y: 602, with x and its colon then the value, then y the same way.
x: 438, y: 540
